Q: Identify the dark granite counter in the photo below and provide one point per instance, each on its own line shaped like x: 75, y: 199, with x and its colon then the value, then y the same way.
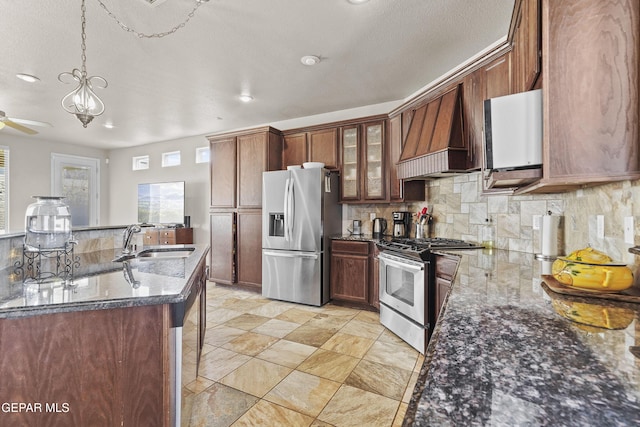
x: 357, y: 237
x: 99, y: 283
x: 502, y: 355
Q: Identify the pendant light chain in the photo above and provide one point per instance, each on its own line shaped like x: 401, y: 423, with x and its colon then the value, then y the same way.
x: 83, y: 45
x: 154, y: 35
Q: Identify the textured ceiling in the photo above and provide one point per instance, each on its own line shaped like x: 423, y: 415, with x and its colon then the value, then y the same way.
x: 188, y: 83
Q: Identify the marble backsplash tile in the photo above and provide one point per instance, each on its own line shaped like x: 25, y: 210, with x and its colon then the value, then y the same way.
x: 460, y: 210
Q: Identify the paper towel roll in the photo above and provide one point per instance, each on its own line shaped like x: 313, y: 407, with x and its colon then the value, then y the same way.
x: 549, y: 235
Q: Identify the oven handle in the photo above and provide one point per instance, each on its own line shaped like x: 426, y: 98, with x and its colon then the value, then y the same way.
x: 407, y: 266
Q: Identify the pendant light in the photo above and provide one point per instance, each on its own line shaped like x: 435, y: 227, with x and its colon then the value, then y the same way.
x: 82, y: 101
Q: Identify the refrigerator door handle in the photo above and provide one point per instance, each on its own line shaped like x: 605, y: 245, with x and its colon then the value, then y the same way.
x: 292, y: 207
x: 290, y: 255
x: 286, y: 209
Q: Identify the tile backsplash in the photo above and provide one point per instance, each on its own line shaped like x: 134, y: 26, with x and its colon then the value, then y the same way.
x: 460, y: 211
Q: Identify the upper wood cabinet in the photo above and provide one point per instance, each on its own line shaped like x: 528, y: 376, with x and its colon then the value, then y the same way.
x: 590, y: 93
x: 400, y: 191
x: 526, y: 42
x: 363, y: 156
x: 313, y: 146
x: 237, y: 163
x: 223, y: 172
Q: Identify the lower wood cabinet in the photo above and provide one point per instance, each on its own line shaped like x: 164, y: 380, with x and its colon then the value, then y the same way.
x: 445, y: 270
x: 354, y: 273
x: 168, y: 236
x: 236, y: 247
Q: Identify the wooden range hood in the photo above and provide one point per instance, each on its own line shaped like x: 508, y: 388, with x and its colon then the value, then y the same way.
x: 435, y: 145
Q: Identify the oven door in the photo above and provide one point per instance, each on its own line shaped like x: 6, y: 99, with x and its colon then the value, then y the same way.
x: 402, y: 285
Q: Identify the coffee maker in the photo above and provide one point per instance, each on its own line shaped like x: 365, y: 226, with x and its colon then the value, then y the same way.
x: 401, y: 224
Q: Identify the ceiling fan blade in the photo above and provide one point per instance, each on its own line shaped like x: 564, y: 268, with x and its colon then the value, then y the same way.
x: 19, y: 127
x: 30, y: 122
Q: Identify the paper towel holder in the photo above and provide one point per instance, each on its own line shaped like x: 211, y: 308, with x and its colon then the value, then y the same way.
x: 550, y: 237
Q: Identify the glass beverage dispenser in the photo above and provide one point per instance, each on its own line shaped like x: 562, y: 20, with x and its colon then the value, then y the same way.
x: 47, y: 224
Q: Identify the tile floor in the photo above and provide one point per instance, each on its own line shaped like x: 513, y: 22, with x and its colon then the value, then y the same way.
x: 272, y: 363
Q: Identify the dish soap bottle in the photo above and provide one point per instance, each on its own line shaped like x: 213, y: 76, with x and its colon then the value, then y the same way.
x: 488, y: 234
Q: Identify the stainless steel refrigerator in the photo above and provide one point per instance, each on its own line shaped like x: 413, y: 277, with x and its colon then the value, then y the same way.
x: 300, y: 213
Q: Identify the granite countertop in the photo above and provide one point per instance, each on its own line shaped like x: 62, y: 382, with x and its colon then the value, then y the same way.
x: 99, y: 283
x: 358, y: 237
x: 501, y: 355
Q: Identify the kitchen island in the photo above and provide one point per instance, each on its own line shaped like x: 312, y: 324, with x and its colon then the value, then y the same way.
x: 502, y: 355
x: 103, y: 347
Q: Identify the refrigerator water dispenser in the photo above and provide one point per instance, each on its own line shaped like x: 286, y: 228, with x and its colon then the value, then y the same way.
x: 276, y: 224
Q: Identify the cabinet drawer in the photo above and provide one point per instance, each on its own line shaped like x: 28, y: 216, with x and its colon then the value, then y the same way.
x: 350, y: 247
x: 446, y: 266
x: 168, y: 237
x: 150, y: 238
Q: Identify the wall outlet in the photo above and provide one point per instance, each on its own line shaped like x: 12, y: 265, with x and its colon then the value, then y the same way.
x: 628, y: 230
x: 600, y: 226
x: 372, y: 216
x: 537, y: 219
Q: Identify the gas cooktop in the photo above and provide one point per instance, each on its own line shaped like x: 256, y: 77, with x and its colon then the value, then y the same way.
x: 421, y: 248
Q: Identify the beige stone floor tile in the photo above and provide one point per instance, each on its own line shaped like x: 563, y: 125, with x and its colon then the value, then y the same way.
x: 206, y: 348
x: 329, y: 364
x: 363, y: 329
x: 327, y: 321
x: 222, y: 334
x: 287, y: 353
x: 310, y: 335
x: 318, y: 423
x: 402, y: 411
x: 219, y: 406
x: 419, y: 363
x: 219, y: 315
x: 351, y: 406
x: 243, y: 305
x: 256, y: 377
x: 200, y: 384
x: 271, y: 309
x: 267, y: 414
x: 384, y: 380
x: 296, y: 315
x: 246, y: 321
x: 368, y: 316
x: 303, y: 393
x: 250, y: 343
x: 276, y: 328
x: 408, y: 392
x: 390, y: 337
x: 348, y: 344
x: 400, y: 356
x: 338, y: 310
x: 219, y: 362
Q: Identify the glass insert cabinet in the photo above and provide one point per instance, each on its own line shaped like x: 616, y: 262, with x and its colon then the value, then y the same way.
x: 362, y: 151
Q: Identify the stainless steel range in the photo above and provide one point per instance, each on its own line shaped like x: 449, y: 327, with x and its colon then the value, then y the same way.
x: 407, y: 294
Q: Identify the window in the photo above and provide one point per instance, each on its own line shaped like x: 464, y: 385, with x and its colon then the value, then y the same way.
x: 202, y: 155
x: 4, y: 190
x: 140, y: 163
x: 171, y: 159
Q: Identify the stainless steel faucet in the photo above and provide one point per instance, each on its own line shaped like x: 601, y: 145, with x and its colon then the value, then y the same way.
x: 126, y: 237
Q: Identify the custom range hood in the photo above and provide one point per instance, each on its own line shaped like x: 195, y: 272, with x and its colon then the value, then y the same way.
x: 435, y: 145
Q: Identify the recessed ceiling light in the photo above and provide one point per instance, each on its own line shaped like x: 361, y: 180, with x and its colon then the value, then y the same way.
x: 246, y: 98
x: 310, y: 60
x: 27, y: 77
x: 108, y: 125
x: 357, y: 1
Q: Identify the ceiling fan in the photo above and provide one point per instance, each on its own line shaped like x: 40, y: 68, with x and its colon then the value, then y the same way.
x: 18, y: 123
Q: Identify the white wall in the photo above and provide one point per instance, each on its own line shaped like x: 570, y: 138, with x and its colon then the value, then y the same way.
x: 30, y: 173
x: 124, y: 181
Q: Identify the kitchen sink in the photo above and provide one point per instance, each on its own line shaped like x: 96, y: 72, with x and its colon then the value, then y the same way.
x: 164, y: 253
